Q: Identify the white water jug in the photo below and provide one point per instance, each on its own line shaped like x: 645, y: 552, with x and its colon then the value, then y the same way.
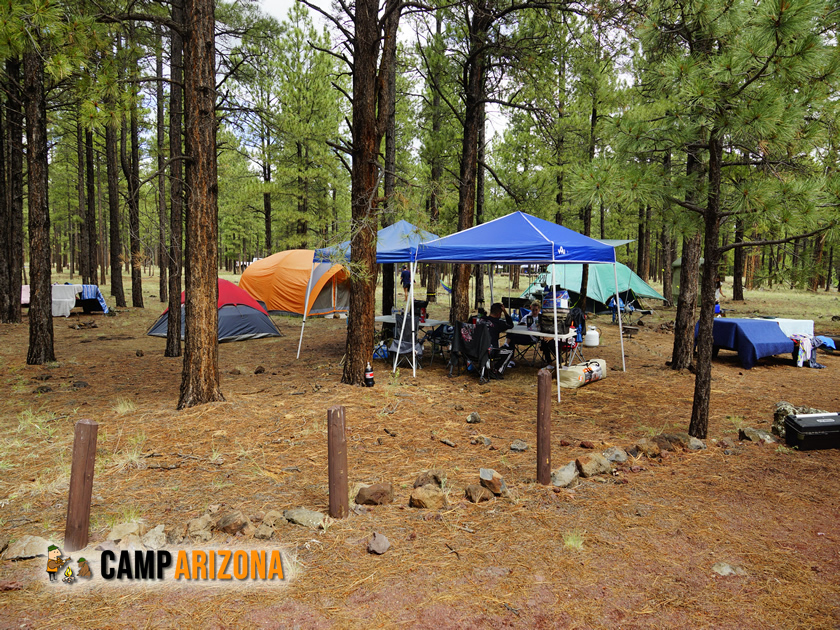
x: 592, y: 337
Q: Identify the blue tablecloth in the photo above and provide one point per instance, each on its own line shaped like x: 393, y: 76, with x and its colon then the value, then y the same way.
x: 92, y: 292
x: 752, y: 339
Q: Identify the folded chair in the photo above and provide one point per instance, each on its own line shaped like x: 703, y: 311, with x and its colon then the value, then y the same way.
x: 403, y: 350
x: 471, y: 346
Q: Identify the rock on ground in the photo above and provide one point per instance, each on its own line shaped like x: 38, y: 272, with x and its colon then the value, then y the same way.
x: 616, y: 454
x: 27, y: 547
x: 429, y: 497
x: 434, y: 477
x: 378, y: 544
x: 593, y: 464
x: 155, y: 538
x: 122, y: 530
x: 377, y: 494
x: 492, y: 480
x: 756, y: 435
x: 648, y: 448
x: 304, y: 517
x: 477, y: 494
x: 564, y: 477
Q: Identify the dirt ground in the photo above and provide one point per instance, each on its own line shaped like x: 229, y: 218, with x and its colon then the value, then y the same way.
x: 634, y: 550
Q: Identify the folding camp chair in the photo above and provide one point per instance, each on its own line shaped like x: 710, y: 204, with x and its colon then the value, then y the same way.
x: 403, y: 350
x: 471, y: 347
x: 440, y: 339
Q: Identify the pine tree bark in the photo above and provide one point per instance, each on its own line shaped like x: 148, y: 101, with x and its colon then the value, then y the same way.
x: 40, y: 306
x: 114, y: 245
x: 5, y: 225
x: 738, y: 262
x: 699, y: 425
x: 176, y: 183
x: 84, y: 235
x: 90, y: 211
x: 163, y: 266
x: 474, y: 91
x: 14, y: 190
x: 200, y: 378
x: 364, y: 186
x: 687, y: 301
x: 388, y: 83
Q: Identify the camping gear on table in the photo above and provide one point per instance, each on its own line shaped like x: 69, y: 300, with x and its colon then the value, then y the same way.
x: 547, y: 321
x: 813, y: 430
x: 592, y: 338
x: 550, y: 297
x: 581, y: 374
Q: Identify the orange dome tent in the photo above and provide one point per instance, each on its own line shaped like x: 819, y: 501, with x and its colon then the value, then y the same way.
x: 288, y: 282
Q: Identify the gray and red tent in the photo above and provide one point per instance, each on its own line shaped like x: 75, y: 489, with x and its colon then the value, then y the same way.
x: 240, y: 317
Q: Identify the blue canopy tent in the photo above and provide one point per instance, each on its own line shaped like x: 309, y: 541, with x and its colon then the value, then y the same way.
x: 395, y: 243
x: 520, y: 238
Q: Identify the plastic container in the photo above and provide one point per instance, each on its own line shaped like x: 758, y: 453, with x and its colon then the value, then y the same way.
x: 368, y: 376
x: 592, y: 339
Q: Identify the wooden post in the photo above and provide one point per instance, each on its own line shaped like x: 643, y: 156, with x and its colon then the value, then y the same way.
x: 337, y: 459
x: 81, y: 485
x: 544, y: 427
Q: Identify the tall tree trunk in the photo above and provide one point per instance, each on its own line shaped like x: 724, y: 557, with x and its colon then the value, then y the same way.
x: 101, y: 251
x: 645, y: 273
x: 667, y: 278
x: 90, y: 211
x: 15, y: 187
x: 134, y: 212
x: 114, y: 244
x: 161, y: 174
x: 5, y: 224
x: 176, y: 182
x: 388, y: 83
x: 474, y: 91
x: 364, y: 186
x: 436, y: 172
x: 479, y: 200
x: 40, y: 304
x: 738, y: 262
x: 84, y: 235
x: 200, y: 380
x: 687, y: 301
x: 817, y: 275
x: 829, y: 268
x: 699, y: 425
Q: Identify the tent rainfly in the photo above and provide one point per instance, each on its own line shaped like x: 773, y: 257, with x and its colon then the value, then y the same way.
x: 240, y: 317
x: 288, y: 283
x: 394, y: 244
x: 516, y: 239
x: 600, y: 288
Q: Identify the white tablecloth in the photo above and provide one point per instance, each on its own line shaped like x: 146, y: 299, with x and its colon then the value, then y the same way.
x: 796, y: 326
x: 64, y: 298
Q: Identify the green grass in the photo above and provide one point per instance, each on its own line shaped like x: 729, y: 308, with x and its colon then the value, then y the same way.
x: 123, y: 406
x: 573, y: 540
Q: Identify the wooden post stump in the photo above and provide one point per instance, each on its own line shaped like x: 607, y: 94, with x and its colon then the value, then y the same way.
x: 81, y: 485
x: 337, y: 460
x: 544, y: 427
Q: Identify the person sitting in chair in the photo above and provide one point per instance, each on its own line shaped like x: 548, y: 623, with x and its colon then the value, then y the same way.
x: 497, y: 322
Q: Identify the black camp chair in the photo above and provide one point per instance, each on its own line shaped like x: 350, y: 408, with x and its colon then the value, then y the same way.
x: 403, y: 350
x: 471, y: 346
x: 440, y: 339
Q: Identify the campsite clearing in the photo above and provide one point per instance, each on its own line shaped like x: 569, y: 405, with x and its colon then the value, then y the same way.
x: 633, y: 550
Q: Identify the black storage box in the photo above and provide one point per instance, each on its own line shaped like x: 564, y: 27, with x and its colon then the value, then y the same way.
x: 813, y: 430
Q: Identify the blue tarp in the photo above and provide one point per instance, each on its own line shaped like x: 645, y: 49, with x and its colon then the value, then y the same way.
x: 516, y: 238
x: 394, y: 244
x: 752, y: 339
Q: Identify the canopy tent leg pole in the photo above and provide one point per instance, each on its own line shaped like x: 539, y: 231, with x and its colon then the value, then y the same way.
x: 556, y: 341
x: 306, y: 306
x: 413, y: 332
x: 618, y: 310
x: 490, y: 276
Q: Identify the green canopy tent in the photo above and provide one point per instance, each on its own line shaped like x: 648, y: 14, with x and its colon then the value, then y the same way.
x: 601, y: 285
